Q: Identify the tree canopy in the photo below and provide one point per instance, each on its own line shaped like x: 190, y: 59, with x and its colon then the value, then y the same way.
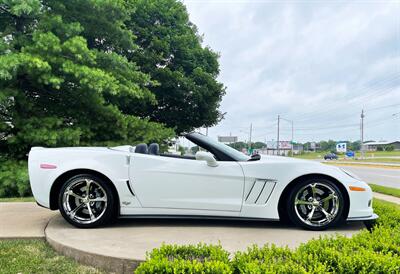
x: 101, y: 72
x: 170, y: 51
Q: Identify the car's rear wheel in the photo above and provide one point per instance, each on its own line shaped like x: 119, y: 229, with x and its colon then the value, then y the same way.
x: 86, y: 201
x: 316, y: 204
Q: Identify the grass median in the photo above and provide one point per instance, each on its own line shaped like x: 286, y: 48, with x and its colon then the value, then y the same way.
x: 36, y: 256
x: 17, y: 199
x: 386, y: 190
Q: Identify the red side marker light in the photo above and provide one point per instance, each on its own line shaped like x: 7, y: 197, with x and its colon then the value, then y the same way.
x: 48, y: 166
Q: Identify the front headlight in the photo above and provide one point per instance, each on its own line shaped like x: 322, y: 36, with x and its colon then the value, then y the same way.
x: 352, y: 175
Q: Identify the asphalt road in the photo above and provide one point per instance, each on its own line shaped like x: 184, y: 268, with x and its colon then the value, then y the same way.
x: 379, y: 176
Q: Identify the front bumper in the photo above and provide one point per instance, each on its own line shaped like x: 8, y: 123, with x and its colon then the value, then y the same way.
x: 364, y: 218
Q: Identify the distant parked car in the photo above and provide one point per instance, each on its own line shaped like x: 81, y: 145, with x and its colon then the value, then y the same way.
x: 331, y: 156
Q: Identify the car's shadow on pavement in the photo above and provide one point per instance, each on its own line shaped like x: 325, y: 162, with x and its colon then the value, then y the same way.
x: 212, y: 222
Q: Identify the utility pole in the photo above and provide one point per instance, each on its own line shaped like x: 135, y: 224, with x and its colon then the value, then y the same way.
x: 277, y: 142
x: 362, y: 133
x: 292, y: 138
x: 206, y: 131
x: 251, y: 131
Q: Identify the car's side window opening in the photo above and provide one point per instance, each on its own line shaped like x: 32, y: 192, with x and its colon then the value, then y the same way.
x: 193, y: 142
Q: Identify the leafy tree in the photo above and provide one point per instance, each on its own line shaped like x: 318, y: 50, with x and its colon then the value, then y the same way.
x: 354, y: 146
x: 170, y: 51
x: 58, y: 83
x: 328, y: 145
x: 239, y: 145
x: 258, y: 145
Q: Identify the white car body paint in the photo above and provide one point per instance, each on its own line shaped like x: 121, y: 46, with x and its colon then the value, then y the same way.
x: 183, y: 187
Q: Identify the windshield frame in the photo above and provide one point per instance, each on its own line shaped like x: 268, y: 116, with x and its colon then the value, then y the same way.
x: 220, y: 150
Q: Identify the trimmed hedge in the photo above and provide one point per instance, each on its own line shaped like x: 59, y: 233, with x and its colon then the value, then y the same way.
x: 14, y: 180
x: 187, y: 259
x: 377, y: 251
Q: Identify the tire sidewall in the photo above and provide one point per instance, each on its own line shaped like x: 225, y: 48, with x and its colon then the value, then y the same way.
x: 291, y: 207
x: 107, y: 215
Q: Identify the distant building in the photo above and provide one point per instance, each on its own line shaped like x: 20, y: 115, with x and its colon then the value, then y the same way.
x: 227, y: 139
x: 285, y: 147
x: 374, y: 146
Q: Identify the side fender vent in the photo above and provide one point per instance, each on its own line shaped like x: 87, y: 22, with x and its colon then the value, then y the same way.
x: 260, y: 191
x: 129, y: 187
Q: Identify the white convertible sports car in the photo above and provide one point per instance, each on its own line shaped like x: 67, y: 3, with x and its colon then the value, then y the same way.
x: 93, y: 185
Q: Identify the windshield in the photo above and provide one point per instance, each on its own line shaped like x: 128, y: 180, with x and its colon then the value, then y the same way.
x: 233, y: 153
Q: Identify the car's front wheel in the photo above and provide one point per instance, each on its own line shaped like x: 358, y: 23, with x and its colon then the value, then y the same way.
x: 316, y: 204
x: 86, y: 201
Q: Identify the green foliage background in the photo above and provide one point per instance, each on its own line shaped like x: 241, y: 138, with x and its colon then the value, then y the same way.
x: 99, y: 72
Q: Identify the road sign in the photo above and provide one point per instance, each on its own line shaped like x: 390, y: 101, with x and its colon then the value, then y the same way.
x: 341, y: 147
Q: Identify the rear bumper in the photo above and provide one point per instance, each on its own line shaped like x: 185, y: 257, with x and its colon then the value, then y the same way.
x: 364, y: 218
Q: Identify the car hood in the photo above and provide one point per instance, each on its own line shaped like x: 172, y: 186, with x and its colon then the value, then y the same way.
x: 283, y: 159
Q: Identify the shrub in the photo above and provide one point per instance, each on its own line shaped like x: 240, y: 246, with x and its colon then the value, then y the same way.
x: 199, y: 258
x: 377, y: 251
x: 14, y: 180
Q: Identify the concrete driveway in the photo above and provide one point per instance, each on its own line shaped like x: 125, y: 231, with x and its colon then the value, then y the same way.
x: 23, y: 220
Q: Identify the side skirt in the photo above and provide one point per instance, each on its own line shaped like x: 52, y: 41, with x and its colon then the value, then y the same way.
x: 195, y: 217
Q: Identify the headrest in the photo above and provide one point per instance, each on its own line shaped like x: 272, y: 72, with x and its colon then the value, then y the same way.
x: 154, y: 149
x: 141, y: 148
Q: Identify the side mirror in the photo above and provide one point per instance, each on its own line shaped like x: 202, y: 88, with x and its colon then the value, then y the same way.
x: 206, y: 156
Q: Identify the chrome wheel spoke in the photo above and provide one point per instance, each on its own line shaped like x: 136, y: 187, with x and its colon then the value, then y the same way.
x: 329, y: 197
x: 90, y: 211
x: 98, y: 199
x: 88, y: 182
x: 311, y: 214
x: 73, y: 212
x: 71, y: 193
x: 302, y: 202
x: 328, y: 216
x: 314, y: 190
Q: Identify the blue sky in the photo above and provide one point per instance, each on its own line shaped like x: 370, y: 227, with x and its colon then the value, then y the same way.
x: 315, y: 62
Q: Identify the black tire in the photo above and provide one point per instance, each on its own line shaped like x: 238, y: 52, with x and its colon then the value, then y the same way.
x: 328, y: 203
x: 105, y: 205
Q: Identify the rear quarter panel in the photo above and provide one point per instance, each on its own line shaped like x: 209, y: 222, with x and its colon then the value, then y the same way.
x: 113, y: 164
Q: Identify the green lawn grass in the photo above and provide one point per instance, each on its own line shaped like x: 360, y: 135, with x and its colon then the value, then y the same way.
x: 17, y: 199
x: 311, y: 155
x: 386, y: 190
x: 379, y: 153
x: 320, y: 155
x: 376, y: 160
x: 36, y: 256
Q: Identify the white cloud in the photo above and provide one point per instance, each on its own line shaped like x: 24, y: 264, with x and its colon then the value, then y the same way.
x: 318, y: 63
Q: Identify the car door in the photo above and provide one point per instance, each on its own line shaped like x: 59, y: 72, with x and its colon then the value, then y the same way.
x: 166, y: 182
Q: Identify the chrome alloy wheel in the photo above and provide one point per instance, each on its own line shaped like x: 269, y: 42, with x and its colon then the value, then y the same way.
x: 84, y: 201
x: 316, y: 204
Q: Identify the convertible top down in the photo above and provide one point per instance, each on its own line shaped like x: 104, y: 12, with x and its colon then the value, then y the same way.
x: 93, y: 185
